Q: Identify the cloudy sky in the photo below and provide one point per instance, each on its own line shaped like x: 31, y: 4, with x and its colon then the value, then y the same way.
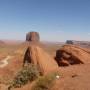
x: 55, y: 20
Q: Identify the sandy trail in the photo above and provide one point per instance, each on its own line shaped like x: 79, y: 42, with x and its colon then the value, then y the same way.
x: 4, y: 62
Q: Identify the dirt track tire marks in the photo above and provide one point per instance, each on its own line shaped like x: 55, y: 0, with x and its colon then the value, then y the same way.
x: 4, y: 62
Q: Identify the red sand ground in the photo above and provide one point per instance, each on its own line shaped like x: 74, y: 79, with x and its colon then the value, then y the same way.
x: 72, y: 78
x: 75, y: 77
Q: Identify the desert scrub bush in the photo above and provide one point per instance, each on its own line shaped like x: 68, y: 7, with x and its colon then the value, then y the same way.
x: 26, y: 74
x: 45, y: 82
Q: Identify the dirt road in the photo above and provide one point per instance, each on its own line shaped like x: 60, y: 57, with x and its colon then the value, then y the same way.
x: 4, y: 62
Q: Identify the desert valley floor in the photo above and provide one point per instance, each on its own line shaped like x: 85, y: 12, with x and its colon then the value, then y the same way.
x: 72, y: 77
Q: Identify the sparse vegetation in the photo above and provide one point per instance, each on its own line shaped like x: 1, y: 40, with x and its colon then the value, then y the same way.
x: 27, y: 74
x: 45, y: 82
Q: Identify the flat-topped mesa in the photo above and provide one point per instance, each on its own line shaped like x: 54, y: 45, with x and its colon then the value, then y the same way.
x: 71, y: 54
x: 69, y: 42
x: 32, y: 36
x: 41, y: 59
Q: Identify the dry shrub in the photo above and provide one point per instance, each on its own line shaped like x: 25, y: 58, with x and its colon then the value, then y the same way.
x: 27, y: 74
x: 45, y: 82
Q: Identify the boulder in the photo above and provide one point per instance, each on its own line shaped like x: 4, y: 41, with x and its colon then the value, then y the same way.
x: 33, y: 36
x: 71, y: 54
x: 40, y: 58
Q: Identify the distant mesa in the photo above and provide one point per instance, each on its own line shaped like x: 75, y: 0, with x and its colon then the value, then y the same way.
x: 69, y: 42
x: 2, y: 42
x: 80, y: 43
x: 32, y: 36
x: 72, y: 54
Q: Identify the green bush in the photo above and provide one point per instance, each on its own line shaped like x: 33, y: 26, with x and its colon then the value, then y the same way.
x: 45, y: 82
x: 27, y: 74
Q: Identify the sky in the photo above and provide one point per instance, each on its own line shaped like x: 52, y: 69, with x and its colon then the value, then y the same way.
x: 55, y: 20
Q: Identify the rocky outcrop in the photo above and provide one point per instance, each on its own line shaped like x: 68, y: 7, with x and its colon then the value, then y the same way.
x: 33, y: 36
x: 85, y: 44
x: 40, y: 58
x: 2, y: 43
x: 69, y: 42
x: 71, y: 54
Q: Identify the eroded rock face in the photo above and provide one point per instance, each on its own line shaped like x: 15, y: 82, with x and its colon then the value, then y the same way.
x: 33, y: 36
x: 2, y: 43
x: 69, y: 42
x: 41, y: 59
x: 71, y: 54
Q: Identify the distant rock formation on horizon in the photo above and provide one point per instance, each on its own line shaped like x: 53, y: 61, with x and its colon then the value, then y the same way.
x: 33, y: 36
x: 69, y: 42
x: 85, y: 44
x: 2, y: 43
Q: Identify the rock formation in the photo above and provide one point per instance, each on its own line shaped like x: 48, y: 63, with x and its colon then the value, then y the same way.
x: 71, y: 54
x: 69, y: 42
x: 2, y: 42
x: 85, y: 44
x: 33, y: 36
x: 41, y: 59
